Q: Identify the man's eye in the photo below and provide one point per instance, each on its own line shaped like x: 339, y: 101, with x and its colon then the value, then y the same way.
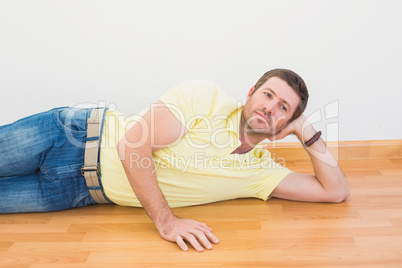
x: 284, y: 108
x: 268, y: 95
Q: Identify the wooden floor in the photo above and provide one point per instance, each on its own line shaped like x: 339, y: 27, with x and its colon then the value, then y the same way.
x: 364, y: 231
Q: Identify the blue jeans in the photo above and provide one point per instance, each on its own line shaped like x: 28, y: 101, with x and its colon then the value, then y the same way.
x: 40, y: 162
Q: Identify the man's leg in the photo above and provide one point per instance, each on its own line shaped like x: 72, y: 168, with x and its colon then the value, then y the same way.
x: 40, y: 161
x: 23, y: 144
x: 37, y: 192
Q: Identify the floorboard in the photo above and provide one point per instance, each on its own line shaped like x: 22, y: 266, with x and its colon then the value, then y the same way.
x: 364, y: 231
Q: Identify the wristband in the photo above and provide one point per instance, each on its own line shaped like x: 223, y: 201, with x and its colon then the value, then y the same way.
x: 312, y: 140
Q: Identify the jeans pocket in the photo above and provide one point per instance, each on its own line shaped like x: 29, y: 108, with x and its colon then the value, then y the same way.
x: 72, y: 121
x: 65, y: 187
x: 62, y: 172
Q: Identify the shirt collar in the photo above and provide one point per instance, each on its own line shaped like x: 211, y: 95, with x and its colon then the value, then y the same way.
x: 233, y: 121
x: 233, y: 125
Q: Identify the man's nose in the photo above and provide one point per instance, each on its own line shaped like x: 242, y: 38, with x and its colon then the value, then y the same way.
x: 269, y: 108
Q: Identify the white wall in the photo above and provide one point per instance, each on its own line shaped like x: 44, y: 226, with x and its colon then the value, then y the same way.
x: 127, y: 53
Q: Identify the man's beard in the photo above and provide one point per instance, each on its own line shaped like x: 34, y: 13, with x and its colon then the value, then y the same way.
x: 268, y: 131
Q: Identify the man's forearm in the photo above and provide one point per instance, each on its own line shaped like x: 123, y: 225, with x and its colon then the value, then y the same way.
x: 145, y: 186
x: 326, y: 167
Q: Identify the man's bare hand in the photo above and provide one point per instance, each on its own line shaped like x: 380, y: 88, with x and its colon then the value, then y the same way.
x: 295, y: 127
x: 198, y: 234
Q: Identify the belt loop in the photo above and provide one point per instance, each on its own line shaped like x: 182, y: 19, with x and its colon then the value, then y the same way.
x: 90, y: 169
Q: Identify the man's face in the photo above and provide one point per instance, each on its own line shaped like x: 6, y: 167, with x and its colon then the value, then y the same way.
x: 270, y: 107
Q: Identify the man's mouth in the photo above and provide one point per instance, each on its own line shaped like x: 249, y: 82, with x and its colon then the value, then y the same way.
x: 264, y: 117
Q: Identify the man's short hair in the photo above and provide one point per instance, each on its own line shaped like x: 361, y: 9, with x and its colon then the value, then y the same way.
x: 294, y: 81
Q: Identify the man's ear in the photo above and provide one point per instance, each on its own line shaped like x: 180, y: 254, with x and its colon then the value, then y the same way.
x: 249, y: 93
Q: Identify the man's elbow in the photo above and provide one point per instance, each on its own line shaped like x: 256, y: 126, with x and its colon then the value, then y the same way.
x: 341, y: 195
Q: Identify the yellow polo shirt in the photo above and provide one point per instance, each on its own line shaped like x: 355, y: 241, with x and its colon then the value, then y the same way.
x: 199, y: 168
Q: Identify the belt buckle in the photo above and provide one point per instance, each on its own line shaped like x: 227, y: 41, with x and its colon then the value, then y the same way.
x: 90, y: 168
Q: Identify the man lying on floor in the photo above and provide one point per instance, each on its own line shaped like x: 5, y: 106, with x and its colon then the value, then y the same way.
x: 194, y: 146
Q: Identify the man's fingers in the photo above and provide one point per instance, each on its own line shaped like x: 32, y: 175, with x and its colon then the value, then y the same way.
x: 203, y: 227
x: 197, y: 239
x: 197, y: 234
x: 202, y: 237
x: 181, y: 243
x: 193, y: 241
x: 211, y: 237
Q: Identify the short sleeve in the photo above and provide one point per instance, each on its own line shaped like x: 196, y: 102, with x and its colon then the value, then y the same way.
x: 268, y: 185
x: 264, y: 177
